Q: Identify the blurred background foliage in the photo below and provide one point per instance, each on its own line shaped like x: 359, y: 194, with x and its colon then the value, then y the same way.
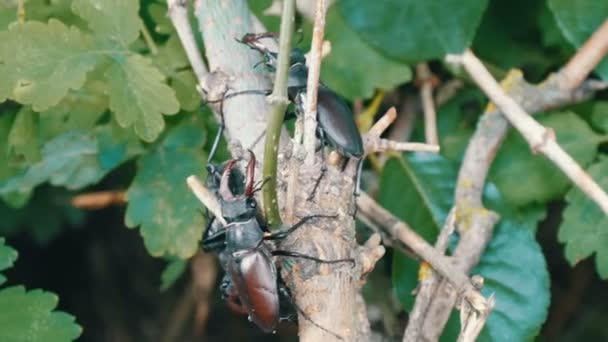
x: 99, y: 96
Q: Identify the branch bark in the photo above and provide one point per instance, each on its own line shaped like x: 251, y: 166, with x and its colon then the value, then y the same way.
x: 314, y: 74
x: 475, y: 222
x: 326, y: 293
x: 539, y: 138
x: 586, y: 58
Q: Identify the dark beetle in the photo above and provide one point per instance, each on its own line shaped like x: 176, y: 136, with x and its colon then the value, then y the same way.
x: 337, y: 125
x: 252, y: 284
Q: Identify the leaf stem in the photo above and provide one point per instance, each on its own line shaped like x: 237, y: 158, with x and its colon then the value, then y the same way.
x: 149, y: 40
x: 279, y: 102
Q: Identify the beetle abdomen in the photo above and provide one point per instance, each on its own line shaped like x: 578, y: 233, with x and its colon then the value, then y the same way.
x: 255, y: 277
x: 338, y: 124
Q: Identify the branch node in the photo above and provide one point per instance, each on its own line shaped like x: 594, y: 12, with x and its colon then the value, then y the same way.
x: 548, y: 135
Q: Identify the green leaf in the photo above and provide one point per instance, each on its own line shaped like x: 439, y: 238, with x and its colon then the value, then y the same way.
x: 578, y: 20
x: 8, y: 13
x: 159, y: 200
x: 412, y: 30
x: 138, y: 97
x: 7, y: 258
x: 510, y: 24
x: 514, y: 269
x: 172, y: 60
x: 501, y: 264
x: 116, y: 20
x: 172, y: 272
x: 158, y: 12
x: 583, y: 229
x: 456, y: 121
x: 31, y: 317
x: 599, y: 115
x: 43, y: 216
x: 72, y: 160
x: 79, y: 110
x: 43, y: 61
x: 357, y: 77
x: 417, y: 189
x: 23, y: 137
x: 404, y: 272
x: 544, y: 181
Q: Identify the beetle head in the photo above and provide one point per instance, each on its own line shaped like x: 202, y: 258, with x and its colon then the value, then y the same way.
x: 238, y: 206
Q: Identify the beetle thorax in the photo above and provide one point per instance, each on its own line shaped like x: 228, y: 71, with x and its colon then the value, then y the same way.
x: 243, y: 235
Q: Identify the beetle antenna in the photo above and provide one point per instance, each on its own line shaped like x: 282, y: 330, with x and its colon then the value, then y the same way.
x: 305, y: 315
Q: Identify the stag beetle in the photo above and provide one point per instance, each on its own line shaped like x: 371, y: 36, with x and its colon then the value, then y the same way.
x: 336, y: 126
x: 252, y: 284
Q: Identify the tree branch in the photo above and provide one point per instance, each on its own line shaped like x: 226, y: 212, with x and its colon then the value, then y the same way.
x: 539, y: 138
x: 474, y: 219
x: 440, y: 263
x: 178, y: 12
x: 312, y: 86
x: 586, y: 58
x: 426, y: 82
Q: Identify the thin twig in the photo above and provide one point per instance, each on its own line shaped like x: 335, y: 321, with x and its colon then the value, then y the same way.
x: 539, y: 138
x: 476, y: 222
x: 384, y: 145
x: 149, y: 40
x: 206, y: 197
x: 428, y: 283
x: 426, y: 82
x: 178, y: 12
x: 439, y: 262
x: 586, y: 58
x: 373, y: 142
x: 99, y: 199
x: 279, y: 101
x: 310, y: 112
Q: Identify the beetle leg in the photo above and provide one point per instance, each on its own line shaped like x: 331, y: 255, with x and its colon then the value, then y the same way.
x: 281, y: 234
x: 284, y: 291
x: 214, y: 241
x: 280, y: 252
x: 231, y: 296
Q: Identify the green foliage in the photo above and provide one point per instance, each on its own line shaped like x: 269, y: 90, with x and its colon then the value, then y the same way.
x: 173, y: 62
x: 73, y: 159
x: 88, y: 104
x: 138, y: 97
x: 578, y: 20
x: 501, y: 264
x: 116, y: 20
x: 584, y: 227
x: 354, y: 69
x: 40, y: 214
x: 159, y: 200
x: 599, y: 115
x: 43, y: 61
x: 544, y: 181
x: 29, y: 316
x: 414, y: 30
x: 7, y: 258
x: 523, y: 37
x: 456, y: 121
